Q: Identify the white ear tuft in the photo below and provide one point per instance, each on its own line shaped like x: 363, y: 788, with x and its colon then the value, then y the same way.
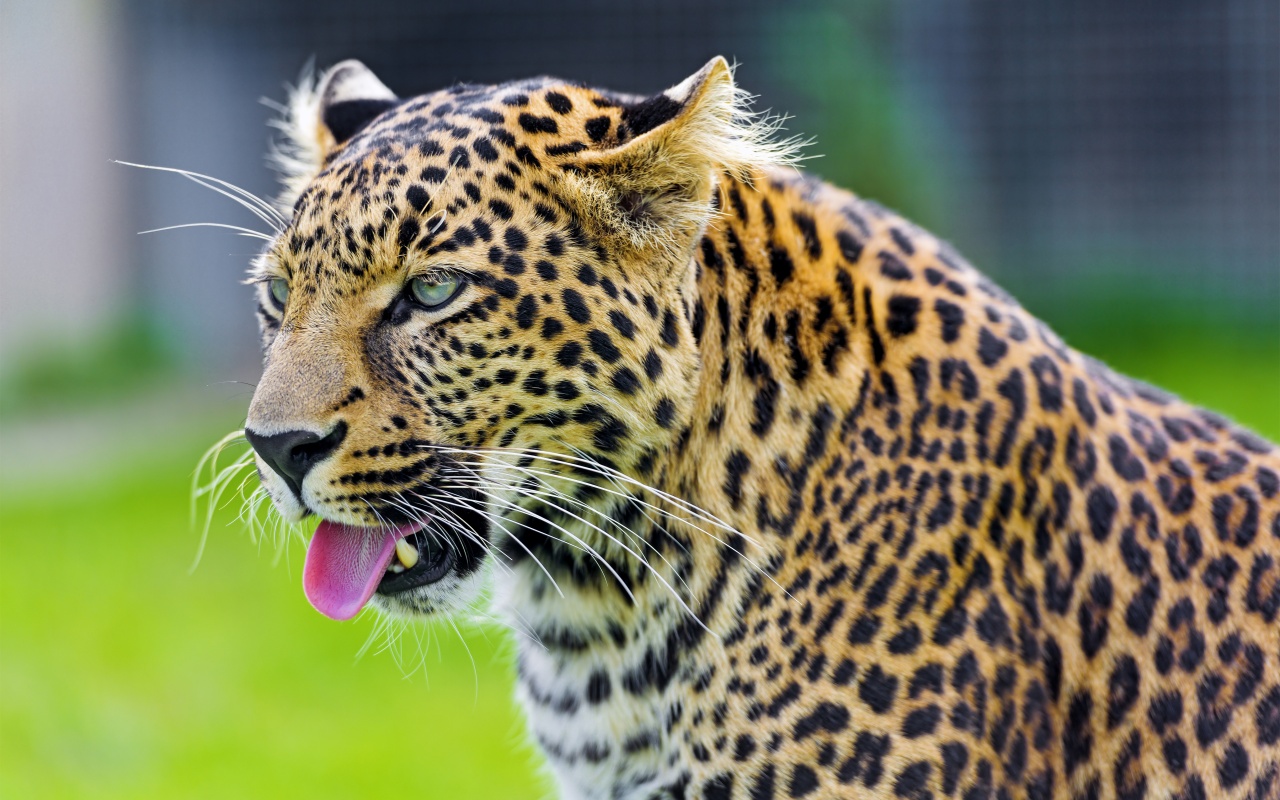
x: 651, y: 194
x: 728, y: 132
x: 298, y: 155
x: 321, y: 114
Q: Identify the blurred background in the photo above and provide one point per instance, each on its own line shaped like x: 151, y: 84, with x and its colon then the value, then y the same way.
x: 1115, y: 165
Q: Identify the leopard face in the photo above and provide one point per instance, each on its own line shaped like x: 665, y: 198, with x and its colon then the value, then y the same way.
x: 483, y: 294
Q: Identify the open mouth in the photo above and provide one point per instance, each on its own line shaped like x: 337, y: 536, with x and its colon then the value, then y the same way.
x: 347, y: 564
x: 419, y: 560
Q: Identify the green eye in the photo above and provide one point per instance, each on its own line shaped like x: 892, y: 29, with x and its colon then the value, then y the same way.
x: 436, y: 292
x: 279, y: 289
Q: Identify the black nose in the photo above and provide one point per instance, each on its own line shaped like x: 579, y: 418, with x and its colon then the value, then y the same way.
x: 292, y: 454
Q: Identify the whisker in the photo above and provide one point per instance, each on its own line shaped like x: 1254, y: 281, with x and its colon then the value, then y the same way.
x: 552, y: 496
x: 255, y: 204
x: 242, y: 231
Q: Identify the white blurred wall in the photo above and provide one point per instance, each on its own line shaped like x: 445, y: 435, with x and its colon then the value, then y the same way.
x: 63, y: 206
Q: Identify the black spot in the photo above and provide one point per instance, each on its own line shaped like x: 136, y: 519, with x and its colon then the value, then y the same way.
x: 1101, y: 509
x: 954, y: 758
x: 597, y: 127
x: 878, y: 689
x: 1081, y: 394
x: 952, y: 317
x: 735, y: 467
x: 535, y: 383
x: 1123, y: 461
x: 892, y: 267
x: 906, y: 641
x: 1077, y: 741
x: 850, y: 247
x: 623, y: 324
x: 546, y: 270
x: 599, y: 687
x: 576, y: 306
x: 534, y: 123
x: 625, y: 381
x: 864, y: 629
x: 922, y: 721
x: 991, y: 348
x: 803, y: 781
x: 1234, y: 765
x: 828, y: 717
x: 417, y: 198
x: 551, y: 327
x: 912, y: 780
x: 664, y: 413
x: 1175, y: 754
x: 780, y: 264
x: 559, y: 103
x: 408, y: 234
x: 1048, y: 382
x: 1092, y: 615
x: 1122, y: 690
x: 500, y: 209
x: 602, y: 345
x: 526, y: 310
x: 762, y: 789
x: 652, y: 364
x: 485, y: 149
x: 1142, y: 607
x: 570, y: 354
x: 808, y: 230
x: 902, y: 314
x: 1267, y: 717
x: 719, y: 787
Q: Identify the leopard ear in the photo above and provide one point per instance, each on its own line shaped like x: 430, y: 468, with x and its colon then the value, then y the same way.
x: 320, y: 116
x: 350, y: 97
x: 652, y: 192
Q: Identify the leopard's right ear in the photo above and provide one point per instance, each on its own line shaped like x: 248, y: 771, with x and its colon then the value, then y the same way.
x: 321, y: 115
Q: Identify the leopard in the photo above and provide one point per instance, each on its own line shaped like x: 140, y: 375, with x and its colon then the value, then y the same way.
x: 778, y: 495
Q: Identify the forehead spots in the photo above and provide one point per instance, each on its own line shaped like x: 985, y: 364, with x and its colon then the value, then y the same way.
x: 515, y: 239
x: 417, y: 198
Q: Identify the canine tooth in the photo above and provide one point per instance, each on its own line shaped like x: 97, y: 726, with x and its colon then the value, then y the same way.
x: 407, y: 553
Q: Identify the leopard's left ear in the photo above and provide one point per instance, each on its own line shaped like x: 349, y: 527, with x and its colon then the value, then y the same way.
x: 320, y: 117
x: 652, y: 192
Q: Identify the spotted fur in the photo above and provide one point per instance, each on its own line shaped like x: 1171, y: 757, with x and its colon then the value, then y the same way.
x: 781, y: 496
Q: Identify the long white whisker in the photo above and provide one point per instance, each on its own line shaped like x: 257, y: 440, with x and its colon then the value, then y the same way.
x: 556, y: 497
x: 242, y: 231
x: 458, y: 502
x: 259, y: 207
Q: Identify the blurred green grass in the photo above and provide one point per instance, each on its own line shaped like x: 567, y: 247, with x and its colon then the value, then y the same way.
x: 124, y: 676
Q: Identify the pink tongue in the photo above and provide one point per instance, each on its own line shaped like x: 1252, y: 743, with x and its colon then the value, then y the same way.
x: 344, y: 565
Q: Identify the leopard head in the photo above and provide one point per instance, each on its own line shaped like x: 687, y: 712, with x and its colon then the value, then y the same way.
x: 482, y: 302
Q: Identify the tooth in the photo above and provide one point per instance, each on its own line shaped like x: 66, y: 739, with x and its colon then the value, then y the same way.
x: 407, y: 553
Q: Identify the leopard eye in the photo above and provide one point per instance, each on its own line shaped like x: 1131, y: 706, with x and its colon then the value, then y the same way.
x: 279, y: 289
x: 435, y: 292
